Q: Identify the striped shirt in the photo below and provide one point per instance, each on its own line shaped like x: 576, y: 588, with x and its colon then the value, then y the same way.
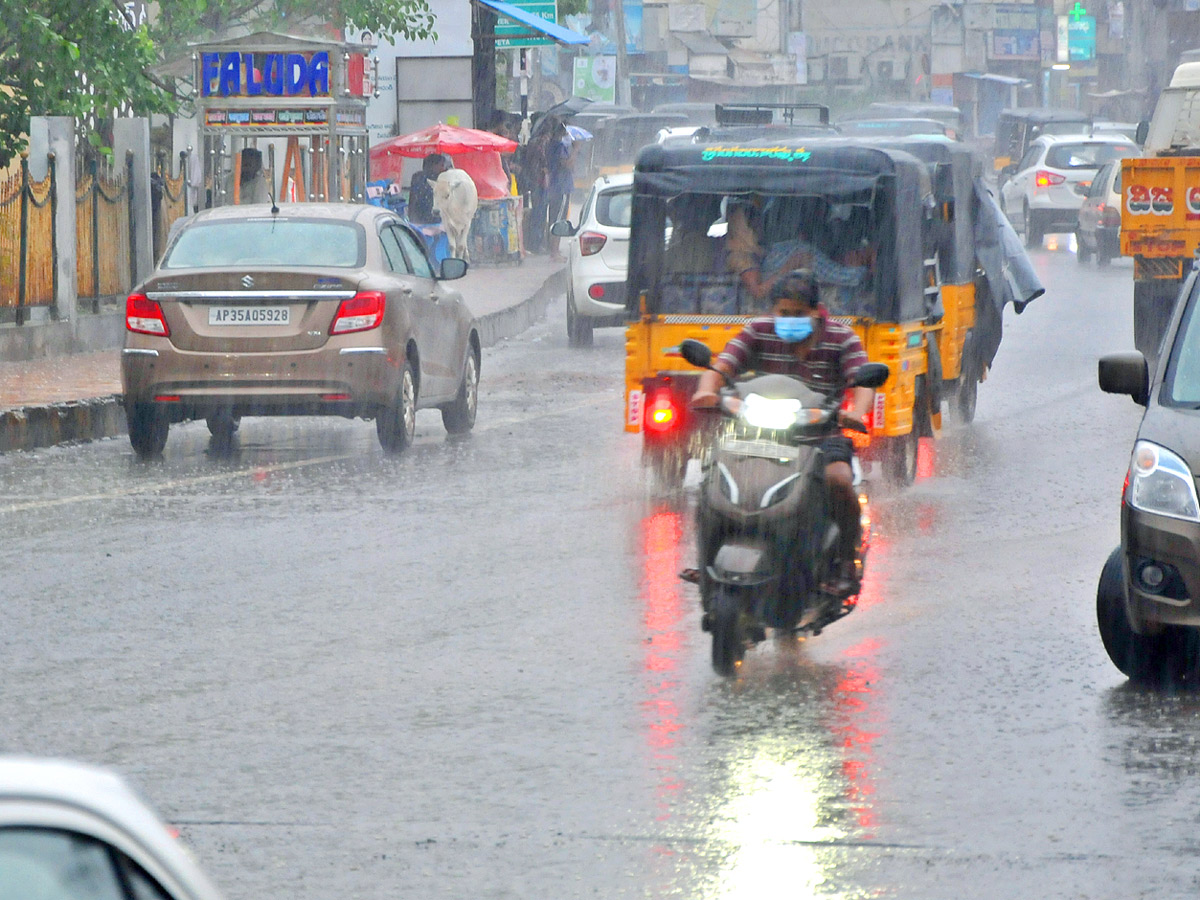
x: 832, y: 362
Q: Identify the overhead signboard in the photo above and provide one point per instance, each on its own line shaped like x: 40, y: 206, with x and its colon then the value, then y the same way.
x: 511, y: 34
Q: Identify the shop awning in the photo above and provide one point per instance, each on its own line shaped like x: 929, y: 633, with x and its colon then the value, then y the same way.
x: 537, y: 23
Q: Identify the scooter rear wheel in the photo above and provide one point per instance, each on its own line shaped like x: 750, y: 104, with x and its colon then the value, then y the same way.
x: 728, y: 642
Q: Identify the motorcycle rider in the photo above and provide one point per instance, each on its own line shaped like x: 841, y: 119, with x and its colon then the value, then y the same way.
x: 801, y: 340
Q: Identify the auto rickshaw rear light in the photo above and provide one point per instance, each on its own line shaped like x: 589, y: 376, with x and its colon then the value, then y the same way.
x: 591, y: 243
x: 145, y: 316
x: 662, y: 414
x: 1042, y: 178
x: 362, y: 312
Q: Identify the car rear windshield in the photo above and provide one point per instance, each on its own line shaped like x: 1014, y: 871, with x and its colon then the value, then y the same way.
x: 615, y: 208
x: 273, y: 241
x: 1086, y: 155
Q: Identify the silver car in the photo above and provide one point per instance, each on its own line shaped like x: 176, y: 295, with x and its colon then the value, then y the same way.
x: 74, y: 832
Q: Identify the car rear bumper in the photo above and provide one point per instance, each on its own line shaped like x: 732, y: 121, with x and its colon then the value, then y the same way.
x: 345, y: 381
x: 611, y: 307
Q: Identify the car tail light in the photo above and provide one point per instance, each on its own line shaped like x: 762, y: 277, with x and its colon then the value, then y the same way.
x: 1046, y: 179
x: 591, y: 242
x: 662, y: 415
x: 362, y: 312
x: 145, y: 316
x: 1110, y: 217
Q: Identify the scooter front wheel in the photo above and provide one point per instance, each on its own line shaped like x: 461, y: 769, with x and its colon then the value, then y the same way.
x: 728, y: 642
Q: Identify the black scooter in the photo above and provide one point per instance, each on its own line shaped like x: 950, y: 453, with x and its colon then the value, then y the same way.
x: 766, y: 538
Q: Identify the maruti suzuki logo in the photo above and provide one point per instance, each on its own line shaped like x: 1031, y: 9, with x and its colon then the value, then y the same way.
x: 247, y: 282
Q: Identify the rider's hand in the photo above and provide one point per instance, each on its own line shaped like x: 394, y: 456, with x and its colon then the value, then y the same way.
x: 704, y: 399
x: 848, y: 418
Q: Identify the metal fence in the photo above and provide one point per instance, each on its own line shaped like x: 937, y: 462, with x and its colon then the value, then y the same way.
x: 28, y: 245
x: 103, y: 229
x: 168, y: 199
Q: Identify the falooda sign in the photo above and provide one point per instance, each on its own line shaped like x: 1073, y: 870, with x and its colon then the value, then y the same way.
x: 234, y: 74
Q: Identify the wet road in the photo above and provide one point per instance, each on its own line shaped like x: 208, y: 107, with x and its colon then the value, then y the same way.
x: 472, y: 672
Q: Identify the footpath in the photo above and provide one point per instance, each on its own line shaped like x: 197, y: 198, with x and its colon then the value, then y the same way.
x: 77, y: 397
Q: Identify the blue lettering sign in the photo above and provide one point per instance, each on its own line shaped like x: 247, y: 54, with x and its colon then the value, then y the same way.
x: 295, y: 73
x: 253, y: 88
x: 231, y: 74
x: 208, y: 71
x: 273, y: 75
x: 280, y: 75
x: 318, y: 74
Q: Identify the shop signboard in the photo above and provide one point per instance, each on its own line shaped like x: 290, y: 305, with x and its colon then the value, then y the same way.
x: 1081, y: 31
x: 595, y: 78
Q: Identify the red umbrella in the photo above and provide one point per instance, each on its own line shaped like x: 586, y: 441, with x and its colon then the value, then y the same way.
x: 449, y: 139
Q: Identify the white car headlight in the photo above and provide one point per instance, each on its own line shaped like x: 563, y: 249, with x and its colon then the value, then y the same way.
x: 1161, y: 483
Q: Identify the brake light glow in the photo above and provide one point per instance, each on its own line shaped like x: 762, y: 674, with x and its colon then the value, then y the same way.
x: 145, y: 316
x: 362, y: 312
x: 661, y: 414
x: 591, y: 242
x: 857, y: 438
x: 1042, y: 178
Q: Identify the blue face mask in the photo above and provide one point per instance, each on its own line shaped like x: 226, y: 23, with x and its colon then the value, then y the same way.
x: 793, y: 329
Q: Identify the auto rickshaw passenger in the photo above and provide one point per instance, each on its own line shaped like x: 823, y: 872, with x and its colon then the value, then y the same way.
x: 691, y: 251
x: 749, y: 253
x: 801, y: 340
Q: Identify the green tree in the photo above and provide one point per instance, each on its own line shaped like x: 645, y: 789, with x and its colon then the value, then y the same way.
x: 180, y: 22
x: 70, y: 59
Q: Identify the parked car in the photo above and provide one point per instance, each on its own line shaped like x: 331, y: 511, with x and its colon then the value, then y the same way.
x: 597, y: 251
x: 1099, y: 231
x: 1148, y: 599
x: 302, y: 309
x: 74, y: 831
x: 1046, y: 190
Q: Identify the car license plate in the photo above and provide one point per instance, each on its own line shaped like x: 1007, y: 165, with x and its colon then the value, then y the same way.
x: 249, y: 315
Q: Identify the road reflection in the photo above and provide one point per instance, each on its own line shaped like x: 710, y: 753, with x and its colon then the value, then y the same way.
x: 788, y: 777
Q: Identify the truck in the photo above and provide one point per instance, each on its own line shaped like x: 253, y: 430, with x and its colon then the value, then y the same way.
x: 1160, y: 206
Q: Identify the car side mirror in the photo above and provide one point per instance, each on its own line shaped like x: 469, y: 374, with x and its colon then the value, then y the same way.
x: 871, y: 375
x: 697, y: 353
x: 1125, y: 373
x: 562, y: 228
x: 453, y: 268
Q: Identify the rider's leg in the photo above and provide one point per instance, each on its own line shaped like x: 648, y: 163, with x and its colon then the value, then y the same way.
x: 843, y: 506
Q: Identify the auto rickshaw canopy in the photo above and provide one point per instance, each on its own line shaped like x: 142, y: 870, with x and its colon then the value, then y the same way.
x: 885, y: 189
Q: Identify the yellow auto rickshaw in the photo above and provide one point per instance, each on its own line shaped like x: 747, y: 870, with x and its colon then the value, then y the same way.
x: 864, y: 215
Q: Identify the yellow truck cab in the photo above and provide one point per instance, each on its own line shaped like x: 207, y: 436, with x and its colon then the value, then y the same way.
x: 1160, y: 207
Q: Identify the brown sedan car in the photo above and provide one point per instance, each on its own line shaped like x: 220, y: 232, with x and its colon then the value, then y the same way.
x: 308, y: 309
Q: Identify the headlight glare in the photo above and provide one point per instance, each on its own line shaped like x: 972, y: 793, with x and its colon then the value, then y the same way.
x: 1162, y: 483
x: 765, y: 412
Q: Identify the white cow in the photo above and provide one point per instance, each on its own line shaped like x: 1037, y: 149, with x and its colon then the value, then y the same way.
x: 455, y: 197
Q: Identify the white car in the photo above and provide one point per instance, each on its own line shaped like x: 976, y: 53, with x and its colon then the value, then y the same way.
x: 1053, y: 177
x: 597, y: 251
x: 73, y: 831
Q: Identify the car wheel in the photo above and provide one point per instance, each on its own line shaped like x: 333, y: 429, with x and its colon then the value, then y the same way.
x: 1103, y: 257
x: 1082, y: 253
x: 148, y: 429
x: 222, y: 427
x: 728, y: 643
x: 1033, y: 229
x: 459, y: 416
x: 1139, y: 657
x: 397, y: 424
x: 579, y: 328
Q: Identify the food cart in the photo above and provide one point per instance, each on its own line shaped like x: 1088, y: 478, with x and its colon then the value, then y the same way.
x: 302, y: 100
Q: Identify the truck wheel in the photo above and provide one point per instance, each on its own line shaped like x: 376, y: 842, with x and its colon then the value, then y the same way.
x: 1153, y: 303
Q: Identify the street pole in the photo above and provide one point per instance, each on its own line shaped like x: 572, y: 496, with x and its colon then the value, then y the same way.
x: 524, y: 84
x: 623, y: 79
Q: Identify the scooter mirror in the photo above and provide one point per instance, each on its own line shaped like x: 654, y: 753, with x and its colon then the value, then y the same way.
x: 697, y: 353
x: 871, y: 375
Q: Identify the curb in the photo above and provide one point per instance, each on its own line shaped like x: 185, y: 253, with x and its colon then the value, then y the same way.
x: 73, y: 421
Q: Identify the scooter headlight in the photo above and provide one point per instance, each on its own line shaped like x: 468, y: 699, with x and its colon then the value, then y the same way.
x: 779, y: 414
x: 1161, y: 483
